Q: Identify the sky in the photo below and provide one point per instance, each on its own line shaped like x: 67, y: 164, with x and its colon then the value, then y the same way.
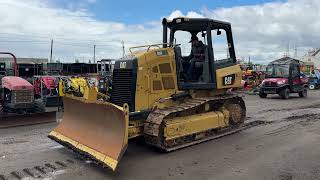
x: 262, y: 29
x: 143, y: 11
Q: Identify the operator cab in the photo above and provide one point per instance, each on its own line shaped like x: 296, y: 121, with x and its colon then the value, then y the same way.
x: 201, y: 47
x: 105, y: 67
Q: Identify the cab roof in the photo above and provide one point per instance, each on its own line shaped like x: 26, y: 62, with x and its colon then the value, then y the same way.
x: 194, y: 24
x: 286, y: 60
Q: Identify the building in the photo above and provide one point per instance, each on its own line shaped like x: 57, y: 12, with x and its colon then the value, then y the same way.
x: 24, y: 60
x: 312, y: 56
x: 27, y: 66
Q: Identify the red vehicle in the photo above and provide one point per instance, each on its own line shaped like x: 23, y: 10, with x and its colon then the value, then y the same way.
x: 17, y: 104
x: 46, y: 90
x: 251, y: 79
x: 17, y: 94
x: 283, y: 77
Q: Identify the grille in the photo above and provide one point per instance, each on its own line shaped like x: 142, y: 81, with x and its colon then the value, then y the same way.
x: 22, y: 96
x: 123, y: 87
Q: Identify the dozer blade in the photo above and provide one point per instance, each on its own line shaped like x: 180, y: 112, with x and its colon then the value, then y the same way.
x: 96, y: 130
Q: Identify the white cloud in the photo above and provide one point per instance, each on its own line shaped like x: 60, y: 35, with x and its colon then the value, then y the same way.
x: 28, y: 27
x: 261, y: 31
x: 264, y: 31
x: 178, y: 13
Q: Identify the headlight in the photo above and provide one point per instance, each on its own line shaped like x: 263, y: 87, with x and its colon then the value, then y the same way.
x: 281, y: 82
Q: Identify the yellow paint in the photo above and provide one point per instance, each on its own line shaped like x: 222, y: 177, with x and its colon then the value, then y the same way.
x: 124, y: 109
x: 146, y: 97
x: 220, y: 73
x: 61, y: 88
x: 90, y: 93
x: 135, y: 128
x: 64, y: 138
x: 183, y: 126
x: 79, y: 83
x: 112, y: 163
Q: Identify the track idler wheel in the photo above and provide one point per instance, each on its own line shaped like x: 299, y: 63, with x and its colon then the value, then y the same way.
x: 237, y: 111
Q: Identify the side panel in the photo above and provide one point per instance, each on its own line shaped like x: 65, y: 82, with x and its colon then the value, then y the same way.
x: 229, y: 77
x: 156, y: 77
x: 182, y: 126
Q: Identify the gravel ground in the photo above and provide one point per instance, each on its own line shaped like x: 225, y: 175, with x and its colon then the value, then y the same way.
x: 286, y: 148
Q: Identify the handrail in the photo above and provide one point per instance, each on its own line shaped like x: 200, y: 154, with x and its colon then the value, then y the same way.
x: 15, y: 65
x: 150, y: 45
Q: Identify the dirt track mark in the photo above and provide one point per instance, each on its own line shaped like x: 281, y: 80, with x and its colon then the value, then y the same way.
x: 303, y: 120
x: 317, y: 105
x: 13, y: 141
x: 307, y: 117
x: 2, y: 177
x: 285, y: 176
x: 39, y: 171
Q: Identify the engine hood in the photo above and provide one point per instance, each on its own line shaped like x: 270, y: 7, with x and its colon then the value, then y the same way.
x: 275, y: 80
x: 15, y: 83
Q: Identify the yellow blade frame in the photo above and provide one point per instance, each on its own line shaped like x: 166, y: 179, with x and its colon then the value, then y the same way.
x: 98, y: 130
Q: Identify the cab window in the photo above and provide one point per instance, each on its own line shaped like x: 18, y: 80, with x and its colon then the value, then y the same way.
x: 220, y: 45
x: 183, y: 38
x: 295, y: 71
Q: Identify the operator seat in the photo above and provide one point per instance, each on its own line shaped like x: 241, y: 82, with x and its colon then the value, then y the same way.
x: 199, y: 64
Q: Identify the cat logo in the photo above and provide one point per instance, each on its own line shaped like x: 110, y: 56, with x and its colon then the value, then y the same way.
x: 229, y: 80
x: 123, y: 65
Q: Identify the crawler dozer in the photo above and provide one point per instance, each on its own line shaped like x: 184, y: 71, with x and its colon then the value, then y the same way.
x: 154, y: 96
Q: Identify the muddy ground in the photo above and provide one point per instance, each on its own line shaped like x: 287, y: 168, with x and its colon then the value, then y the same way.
x: 288, y: 147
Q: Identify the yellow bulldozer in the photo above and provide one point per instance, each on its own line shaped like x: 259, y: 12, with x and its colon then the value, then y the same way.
x: 172, y: 100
